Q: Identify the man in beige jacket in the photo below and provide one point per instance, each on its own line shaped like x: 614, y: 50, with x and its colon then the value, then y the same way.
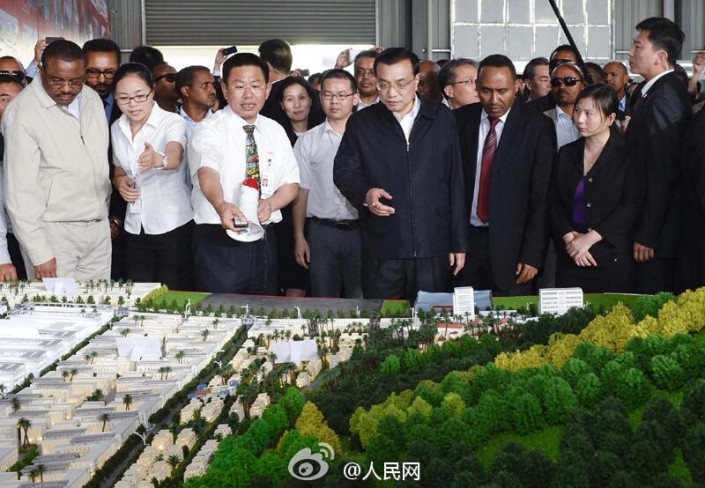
x: 56, y: 170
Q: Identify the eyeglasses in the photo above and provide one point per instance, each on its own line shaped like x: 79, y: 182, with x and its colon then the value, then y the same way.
x: 141, y: 98
x: 58, y: 82
x: 15, y: 74
x: 341, y: 97
x: 567, y: 81
x: 170, y: 77
x: 467, y: 82
x: 95, y: 73
x: 362, y: 72
x: 385, y: 86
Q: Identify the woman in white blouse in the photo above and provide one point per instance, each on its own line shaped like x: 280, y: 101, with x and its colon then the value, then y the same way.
x: 148, y: 148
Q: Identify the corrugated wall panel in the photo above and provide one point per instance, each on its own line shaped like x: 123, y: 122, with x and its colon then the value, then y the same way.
x: 222, y: 22
x: 627, y: 14
x: 126, y: 24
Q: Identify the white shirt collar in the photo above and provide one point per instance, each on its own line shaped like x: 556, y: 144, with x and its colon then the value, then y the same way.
x: 647, y: 86
x: 503, y: 118
x: 414, y: 110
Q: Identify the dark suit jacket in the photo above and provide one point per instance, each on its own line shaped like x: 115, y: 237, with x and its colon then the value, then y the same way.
x: 542, y: 104
x: 424, y: 178
x: 521, y: 176
x: 654, y: 136
x: 613, y: 196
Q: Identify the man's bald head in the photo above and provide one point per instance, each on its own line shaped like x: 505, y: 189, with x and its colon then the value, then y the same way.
x: 617, y: 77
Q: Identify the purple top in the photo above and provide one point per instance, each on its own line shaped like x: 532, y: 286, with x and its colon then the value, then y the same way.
x: 579, y: 219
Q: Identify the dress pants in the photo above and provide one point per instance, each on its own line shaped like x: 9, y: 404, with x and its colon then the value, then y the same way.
x: 478, y: 266
x: 403, y: 278
x: 224, y: 265
x: 656, y: 275
x: 336, y: 260
x: 161, y: 258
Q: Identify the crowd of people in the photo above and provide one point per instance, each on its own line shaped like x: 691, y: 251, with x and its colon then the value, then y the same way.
x: 405, y: 175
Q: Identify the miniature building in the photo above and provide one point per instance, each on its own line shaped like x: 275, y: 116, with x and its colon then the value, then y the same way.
x: 558, y: 301
x: 464, y: 302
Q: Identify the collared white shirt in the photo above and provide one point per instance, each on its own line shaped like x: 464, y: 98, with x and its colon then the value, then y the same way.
x: 164, y: 202
x: 623, y: 103
x: 481, y: 136
x: 74, y: 107
x: 407, y: 121
x: 315, y: 152
x: 219, y: 143
x: 190, y: 127
x: 566, y: 131
x: 360, y: 105
x: 647, y: 86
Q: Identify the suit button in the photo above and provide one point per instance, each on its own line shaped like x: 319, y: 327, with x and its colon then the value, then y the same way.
x: 589, y: 205
x: 589, y: 180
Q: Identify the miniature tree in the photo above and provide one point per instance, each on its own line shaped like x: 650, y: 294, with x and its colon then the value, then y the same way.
x: 105, y: 418
x: 204, y: 334
x: 127, y: 401
x: 24, y: 424
x: 173, y: 461
x: 180, y: 356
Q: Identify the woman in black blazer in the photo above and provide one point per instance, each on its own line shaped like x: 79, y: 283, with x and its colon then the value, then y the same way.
x: 596, y: 195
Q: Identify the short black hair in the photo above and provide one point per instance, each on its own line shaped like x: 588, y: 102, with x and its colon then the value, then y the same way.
x: 395, y: 55
x: 530, y: 68
x: 369, y: 53
x: 5, y: 78
x: 604, y: 96
x: 185, y: 76
x: 147, y: 55
x: 598, y: 69
x: 277, y: 52
x: 244, y: 59
x: 664, y: 34
x: 63, y: 50
x: 498, y: 61
x: 315, y: 78
x: 563, y: 47
x: 102, y: 46
x: 137, y: 69
x: 447, y: 74
x: 339, y: 74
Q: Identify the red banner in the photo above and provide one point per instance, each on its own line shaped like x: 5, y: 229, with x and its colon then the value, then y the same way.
x: 22, y: 22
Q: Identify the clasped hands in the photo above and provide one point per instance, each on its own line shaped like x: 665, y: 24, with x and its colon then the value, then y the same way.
x: 578, y: 245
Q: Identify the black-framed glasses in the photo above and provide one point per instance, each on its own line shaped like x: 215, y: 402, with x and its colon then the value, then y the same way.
x: 14, y: 73
x: 141, y: 98
x: 95, y: 73
x: 399, y: 85
x: 567, y: 81
x: 170, y: 77
x: 341, y: 97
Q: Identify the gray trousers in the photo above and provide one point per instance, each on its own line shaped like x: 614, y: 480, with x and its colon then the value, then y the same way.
x: 336, y: 261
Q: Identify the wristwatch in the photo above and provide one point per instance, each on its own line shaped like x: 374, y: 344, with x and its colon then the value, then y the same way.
x: 165, y: 160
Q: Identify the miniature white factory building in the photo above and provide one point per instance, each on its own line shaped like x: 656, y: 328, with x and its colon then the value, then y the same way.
x: 559, y: 300
x: 464, y: 302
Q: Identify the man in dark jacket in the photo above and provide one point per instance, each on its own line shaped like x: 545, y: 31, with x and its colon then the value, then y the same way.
x: 399, y: 164
x: 654, y: 135
x: 508, y: 152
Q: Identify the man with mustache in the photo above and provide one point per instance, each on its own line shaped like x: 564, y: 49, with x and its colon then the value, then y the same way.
x: 566, y: 83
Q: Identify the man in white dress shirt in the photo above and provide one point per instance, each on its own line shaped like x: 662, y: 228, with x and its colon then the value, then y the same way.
x: 333, y: 251
x: 219, y: 152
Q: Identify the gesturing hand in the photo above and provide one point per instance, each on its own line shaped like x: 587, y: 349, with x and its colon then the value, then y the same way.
x: 375, y: 206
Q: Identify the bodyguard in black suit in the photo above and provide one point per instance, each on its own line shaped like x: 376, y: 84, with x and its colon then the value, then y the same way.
x: 399, y: 165
x: 508, y: 229
x: 654, y: 136
x: 596, y: 196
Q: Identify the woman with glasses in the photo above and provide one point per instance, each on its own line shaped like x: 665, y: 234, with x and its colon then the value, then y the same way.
x: 148, y: 148
x: 596, y: 194
x: 300, y: 111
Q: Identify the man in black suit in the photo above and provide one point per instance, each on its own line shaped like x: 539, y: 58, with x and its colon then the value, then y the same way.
x: 654, y: 134
x: 102, y: 61
x: 508, y: 152
x: 399, y: 165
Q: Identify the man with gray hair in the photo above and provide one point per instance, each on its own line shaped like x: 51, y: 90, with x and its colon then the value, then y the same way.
x: 457, y: 80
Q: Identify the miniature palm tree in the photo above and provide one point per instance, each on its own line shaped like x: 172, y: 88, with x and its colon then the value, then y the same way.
x: 180, y: 356
x: 94, y: 355
x: 104, y: 417
x: 15, y: 404
x: 226, y: 373
x: 161, y: 373
x: 173, y: 461
x: 41, y: 469
x: 127, y: 401
x: 204, y: 334
x: 2, y: 390
x: 215, y: 323
x: 167, y: 371
x: 65, y: 374
x: 33, y: 474
x: 25, y: 425
x: 125, y: 332
x: 73, y: 372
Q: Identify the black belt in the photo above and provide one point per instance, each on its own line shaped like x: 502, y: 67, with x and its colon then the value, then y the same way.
x: 337, y: 224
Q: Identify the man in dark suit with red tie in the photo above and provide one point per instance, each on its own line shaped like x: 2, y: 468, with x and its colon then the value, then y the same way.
x: 508, y: 152
x: 654, y: 135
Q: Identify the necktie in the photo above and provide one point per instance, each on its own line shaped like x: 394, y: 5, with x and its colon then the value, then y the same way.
x: 251, y: 156
x: 483, y: 195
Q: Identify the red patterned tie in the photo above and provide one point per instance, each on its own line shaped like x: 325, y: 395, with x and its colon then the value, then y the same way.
x: 483, y: 195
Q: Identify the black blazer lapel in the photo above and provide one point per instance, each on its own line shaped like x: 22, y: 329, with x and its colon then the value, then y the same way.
x: 508, y: 139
